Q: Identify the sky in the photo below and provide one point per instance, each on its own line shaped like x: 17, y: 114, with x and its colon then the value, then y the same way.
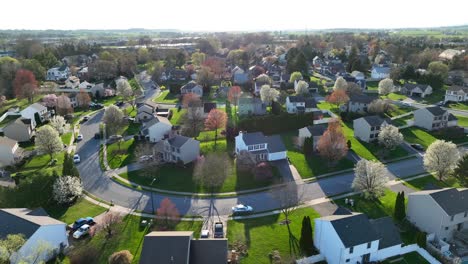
x: 239, y: 15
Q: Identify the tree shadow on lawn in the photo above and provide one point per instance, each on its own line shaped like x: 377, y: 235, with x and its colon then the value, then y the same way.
x: 249, y: 224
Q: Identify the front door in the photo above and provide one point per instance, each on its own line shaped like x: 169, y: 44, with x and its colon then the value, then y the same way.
x: 366, y: 258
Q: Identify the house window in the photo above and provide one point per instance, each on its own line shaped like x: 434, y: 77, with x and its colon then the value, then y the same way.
x: 178, y: 150
x: 451, y: 218
x: 369, y: 245
x: 371, y: 135
x: 347, y: 260
x: 466, y: 214
x: 250, y: 147
x: 351, y: 249
x: 372, y: 128
x: 446, y: 228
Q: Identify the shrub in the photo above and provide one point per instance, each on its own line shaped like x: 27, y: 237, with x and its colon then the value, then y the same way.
x: 67, y: 189
x: 121, y: 257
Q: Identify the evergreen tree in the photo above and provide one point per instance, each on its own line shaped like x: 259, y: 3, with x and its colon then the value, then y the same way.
x: 306, y: 241
x: 421, y: 239
x: 308, y: 146
x: 67, y: 164
x: 402, y: 206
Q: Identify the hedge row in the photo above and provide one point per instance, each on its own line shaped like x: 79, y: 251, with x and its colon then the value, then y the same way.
x: 274, y: 124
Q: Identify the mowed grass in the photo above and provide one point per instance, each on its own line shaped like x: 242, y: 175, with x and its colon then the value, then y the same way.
x: 120, y: 157
x: 66, y: 138
x: 177, y: 116
x: 128, y: 235
x: 395, y: 96
x: 462, y: 120
x: 310, y: 166
x: 430, y: 182
x: 357, y: 145
x: 377, y: 208
x: 167, y: 97
x: 82, y: 208
x: 459, y: 106
x: 409, y: 258
x: 418, y: 136
x: 42, y: 164
x: 265, y: 234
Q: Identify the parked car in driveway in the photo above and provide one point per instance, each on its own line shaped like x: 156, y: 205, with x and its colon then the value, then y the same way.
x: 205, y: 234
x: 83, y: 221
x: 218, y: 230
x: 82, y: 231
x: 76, y: 158
x: 79, y: 137
x: 114, y: 138
x: 242, y: 209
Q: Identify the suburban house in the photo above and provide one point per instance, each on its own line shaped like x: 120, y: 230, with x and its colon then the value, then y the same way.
x: 258, y: 84
x: 263, y: 147
x: 192, y: 87
x: 146, y: 111
x: 359, y: 79
x: 251, y: 106
x: 300, y: 104
x: 10, y: 152
x: 349, y: 237
x: 38, y: 229
x: 72, y: 82
x: 58, y: 73
x: 239, y: 76
x: 448, y: 54
x: 434, y: 118
x: 34, y: 111
x: 85, y: 85
x: 380, y: 72
x: 442, y: 212
x: 156, y: 129
x: 99, y: 90
x: 358, y: 103
x: 180, y: 247
x: 420, y: 90
x: 315, y: 131
x: 367, y: 128
x: 20, y: 129
x: 177, y: 148
x: 456, y: 94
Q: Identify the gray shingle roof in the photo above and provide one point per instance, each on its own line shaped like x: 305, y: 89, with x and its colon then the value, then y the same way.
x: 354, y: 229
x: 411, y: 86
x: 166, y: 247
x: 387, y: 231
x: 436, y: 110
x: 455, y: 88
x: 178, y: 141
x: 317, y: 130
x: 204, y: 251
x: 451, y: 117
x: 275, y: 144
x: 384, y: 70
x: 374, y: 120
x: 452, y: 201
x: 361, y: 98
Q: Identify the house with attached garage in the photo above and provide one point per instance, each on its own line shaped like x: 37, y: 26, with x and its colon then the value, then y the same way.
x: 358, y: 103
x: 20, y: 129
x: 146, y: 111
x: 263, y: 148
x: 72, y: 82
x: 251, y: 106
x: 58, y: 73
x: 443, y: 212
x: 156, y: 129
x: 39, y: 230
x: 192, y: 87
x: 176, y: 148
x: 10, y: 152
x: 300, y: 104
x: 412, y: 89
x: 434, y: 118
x: 34, y: 112
x: 380, y: 72
x: 367, y: 128
x: 349, y: 237
x: 180, y: 247
x: 456, y: 94
x: 315, y: 131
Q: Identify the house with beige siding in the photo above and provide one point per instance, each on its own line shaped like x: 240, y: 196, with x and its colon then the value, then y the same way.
x: 177, y: 148
x: 10, y: 152
x: 442, y: 212
x: 367, y: 128
x: 20, y: 129
x: 434, y: 118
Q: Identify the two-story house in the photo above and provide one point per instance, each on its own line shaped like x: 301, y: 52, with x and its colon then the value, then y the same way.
x: 442, y: 212
x: 412, y: 89
x: 315, y: 131
x: 20, y: 129
x: 156, y: 129
x: 259, y: 82
x: 456, y: 94
x: 433, y: 118
x: 10, y: 152
x: 358, y: 103
x: 177, y: 148
x: 300, y: 104
x: 192, y: 87
x: 367, y: 128
x: 146, y: 111
x: 349, y: 237
x: 251, y: 106
x: 35, y: 111
x: 72, y: 82
x: 380, y: 72
x: 264, y: 148
x: 58, y: 73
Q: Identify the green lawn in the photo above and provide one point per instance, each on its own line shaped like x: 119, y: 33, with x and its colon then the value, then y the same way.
x: 395, y: 96
x: 177, y: 115
x: 22, y: 103
x: 428, y: 181
x: 125, y: 155
x: 66, y: 138
x: 409, y: 258
x: 382, y: 154
x: 436, y: 96
x: 41, y: 163
x: 419, y: 136
x: 462, y: 121
x: 265, y: 234
x: 459, y: 106
x: 127, y: 235
x: 82, y: 208
x: 400, y: 110
x: 356, y: 145
x: 310, y: 166
x: 327, y: 106
x: 372, y: 86
x: 372, y: 208
x: 130, y: 129
x: 209, y: 136
x: 167, y: 97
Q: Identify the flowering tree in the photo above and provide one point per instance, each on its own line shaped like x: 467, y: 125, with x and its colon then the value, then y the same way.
x: 370, y: 178
x: 59, y: 124
x: 302, y: 87
x: 50, y: 100
x: 216, y: 119
x: 268, y: 94
x: 332, y: 146
x: 340, y: 84
x: 67, y: 189
x: 48, y: 140
x: 113, y: 118
x: 25, y: 84
x: 441, y: 157
x: 390, y: 137
x: 234, y: 96
x: 295, y: 76
x: 63, y: 105
x: 168, y: 212
x: 338, y: 97
x: 386, y: 86
x: 83, y: 99
x: 191, y: 100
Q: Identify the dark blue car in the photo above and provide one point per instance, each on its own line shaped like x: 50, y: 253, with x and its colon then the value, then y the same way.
x: 82, y: 221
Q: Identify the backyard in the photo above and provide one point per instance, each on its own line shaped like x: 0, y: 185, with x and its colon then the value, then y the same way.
x: 119, y: 156
x: 431, y: 182
x: 409, y: 258
x: 167, y: 97
x: 265, y: 234
x: 425, y: 138
x: 462, y: 120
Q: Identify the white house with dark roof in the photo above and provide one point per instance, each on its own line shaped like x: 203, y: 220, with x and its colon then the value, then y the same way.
x: 300, y: 104
x: 434, y: 118
x: 32, y: 110
x: 156, y: 129
x: 192, y: 87
x: 412, y: 89
x: 456, y: 94
x: 367, y: 128
x: 349, y: 237
x: 315, y: 131
x: 58, y: 73
x: 380, y: 72
x: 146, y: 111
x: 442, y: 212
x: 177, y: 148
x: 10, y: 152
x: 38, y: 228
x: 358, y: 103
x: 263, y: 147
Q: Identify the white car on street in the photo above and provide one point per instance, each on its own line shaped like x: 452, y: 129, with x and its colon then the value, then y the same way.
x: 82, y: 231
x: 79, y: 137
x: 242, y: 209
x: 76, y: 158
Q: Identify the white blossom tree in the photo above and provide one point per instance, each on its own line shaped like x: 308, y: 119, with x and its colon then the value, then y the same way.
x: 48, y: 140
x: 390, y: 137
x: 66, y: 189
x: 268, y: 94
x: 441, y: 157
x: 113, y: 118
x: 386, y: 86
x: 302, y: 87
x: 370, y: 178
x: 124, y: 89
x: 340, y: 84
x: 59, y: 124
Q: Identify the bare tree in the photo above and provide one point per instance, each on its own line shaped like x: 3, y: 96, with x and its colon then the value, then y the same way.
x: 63, y: 105
x: 212, y: 170
x: 288, y: 198
x: 245, y: 161
x: 83, y: 99
x: 108, y: 222
x: 193, y: 121
x: 150, y: 165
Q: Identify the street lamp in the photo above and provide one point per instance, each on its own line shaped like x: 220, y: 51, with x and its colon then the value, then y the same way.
x: 152, y: 201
